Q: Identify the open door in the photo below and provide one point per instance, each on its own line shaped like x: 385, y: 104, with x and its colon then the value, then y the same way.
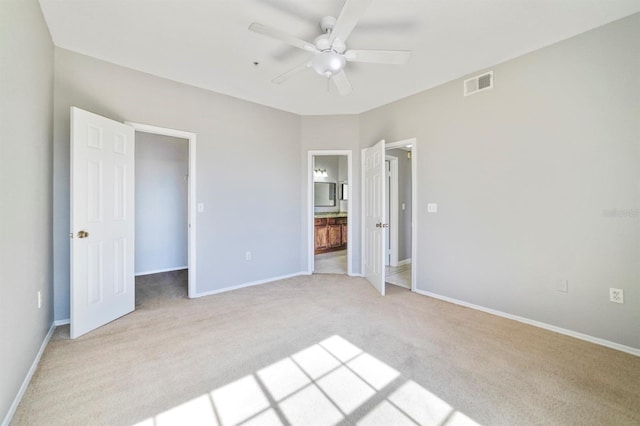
x: 102, y: 221
x: 374, y: 220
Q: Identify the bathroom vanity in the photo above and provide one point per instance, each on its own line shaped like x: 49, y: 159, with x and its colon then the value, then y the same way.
x: 330, y: 232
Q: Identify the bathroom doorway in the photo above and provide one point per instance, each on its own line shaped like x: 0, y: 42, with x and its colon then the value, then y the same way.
x: 329, y: 201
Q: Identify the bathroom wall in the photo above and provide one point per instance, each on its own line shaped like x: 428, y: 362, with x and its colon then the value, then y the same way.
x: 343, y: 176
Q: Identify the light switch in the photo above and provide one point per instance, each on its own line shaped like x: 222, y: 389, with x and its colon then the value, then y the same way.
x: 402, y: 206
x: 432, y: 207
x: 200, y: 207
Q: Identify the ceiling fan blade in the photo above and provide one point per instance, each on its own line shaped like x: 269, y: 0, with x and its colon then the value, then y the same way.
x: 342, y: 83
x: 279, y: 35
x: 350, y: 14
x: 397, y: 57
x: 282, y: 77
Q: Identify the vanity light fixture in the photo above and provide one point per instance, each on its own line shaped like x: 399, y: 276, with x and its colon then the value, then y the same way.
x: 320, y: 173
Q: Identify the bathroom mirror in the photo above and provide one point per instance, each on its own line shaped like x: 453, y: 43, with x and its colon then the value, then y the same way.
x: 324, y: 194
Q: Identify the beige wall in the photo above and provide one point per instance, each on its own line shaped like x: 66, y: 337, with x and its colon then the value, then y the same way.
x: 330, y: 132
x: 537, y: 180
x: 26, y: 98
x: 248, y: 169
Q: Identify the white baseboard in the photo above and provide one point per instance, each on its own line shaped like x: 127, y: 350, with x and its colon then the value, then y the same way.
x: 567, y: 332
x: 404, y: 262
x: 157, y: 271
x: 27, y: 379
x: 249, y: 284
x: 58, y: 323
x: 356, y: 275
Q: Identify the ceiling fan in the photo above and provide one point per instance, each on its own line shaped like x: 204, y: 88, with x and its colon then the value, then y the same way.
x: 330, y: 54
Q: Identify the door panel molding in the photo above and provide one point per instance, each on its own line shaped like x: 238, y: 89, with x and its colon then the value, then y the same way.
x: 101, y: 221
x: 373, y: 215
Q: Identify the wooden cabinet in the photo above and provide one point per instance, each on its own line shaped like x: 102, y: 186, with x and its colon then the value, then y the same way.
x: 330, y: 234
x: 335, y: 236
x: 321, y: 237
x: 343, y: 228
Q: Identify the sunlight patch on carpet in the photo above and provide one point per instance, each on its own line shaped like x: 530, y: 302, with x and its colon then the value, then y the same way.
x: 324, y: 384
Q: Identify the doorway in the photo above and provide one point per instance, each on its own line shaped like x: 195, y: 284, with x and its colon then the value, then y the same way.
x: 102, y: 185
x: 399, y: 213
x: 161, y: 217
x: 329, y: 205
x: 165, y: 194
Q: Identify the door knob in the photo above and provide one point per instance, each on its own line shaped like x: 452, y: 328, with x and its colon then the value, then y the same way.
x: 83, y: 234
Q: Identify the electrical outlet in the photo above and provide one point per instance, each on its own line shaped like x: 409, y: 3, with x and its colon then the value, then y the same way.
x: 616, y: 295
x: 247, y: 255
x: 39, y: 300
x: 562, y: 286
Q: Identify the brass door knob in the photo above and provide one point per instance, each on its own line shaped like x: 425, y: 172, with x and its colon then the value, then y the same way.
x: 83, y: 234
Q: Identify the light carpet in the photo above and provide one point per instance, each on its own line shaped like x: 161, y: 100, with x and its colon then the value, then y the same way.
x: 324, y: 349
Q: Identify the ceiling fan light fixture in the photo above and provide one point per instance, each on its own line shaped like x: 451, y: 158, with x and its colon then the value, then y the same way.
x: 329, y: 49
x: 328, y: 63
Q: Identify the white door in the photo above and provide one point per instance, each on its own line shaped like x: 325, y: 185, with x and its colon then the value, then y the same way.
x: 373, y: 175
x: 102, y: 221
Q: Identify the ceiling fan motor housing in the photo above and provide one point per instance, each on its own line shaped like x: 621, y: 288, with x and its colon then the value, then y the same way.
x: 323, y: 42
x: 330, y: 59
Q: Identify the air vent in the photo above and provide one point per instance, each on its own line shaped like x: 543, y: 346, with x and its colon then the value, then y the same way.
x: 478, y: 83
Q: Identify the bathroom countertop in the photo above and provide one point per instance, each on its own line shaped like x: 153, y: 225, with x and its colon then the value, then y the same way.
x: 331, y: 214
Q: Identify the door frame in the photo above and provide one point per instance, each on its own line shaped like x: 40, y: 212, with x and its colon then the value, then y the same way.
x: 310, y: 206
x: 392, y: 203
x: 191, y: 202
x: 414, y: 202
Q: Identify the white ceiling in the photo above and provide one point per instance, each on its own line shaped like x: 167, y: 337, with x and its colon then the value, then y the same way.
x: 206, y: 43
